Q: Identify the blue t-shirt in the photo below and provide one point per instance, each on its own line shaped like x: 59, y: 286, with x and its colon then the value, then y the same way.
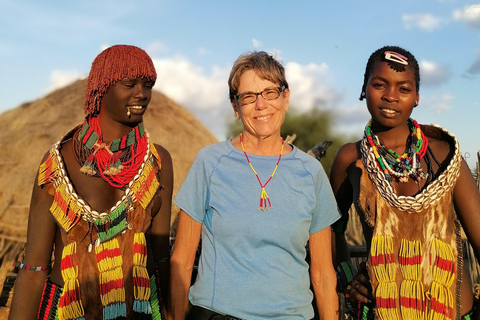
x: 253, y: 264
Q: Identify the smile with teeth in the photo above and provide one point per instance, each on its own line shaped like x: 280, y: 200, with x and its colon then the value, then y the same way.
x: 263, y: 117
x: 388, y: 111
x: 135, y: 107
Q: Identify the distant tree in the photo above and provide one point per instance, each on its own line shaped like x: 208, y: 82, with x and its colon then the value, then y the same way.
x: 310, y: 128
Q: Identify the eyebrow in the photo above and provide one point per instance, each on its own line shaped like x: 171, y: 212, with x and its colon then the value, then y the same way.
x: 271, y: 87
x: 399, y: 82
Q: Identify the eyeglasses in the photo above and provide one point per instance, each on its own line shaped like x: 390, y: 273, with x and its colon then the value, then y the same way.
x: 267, y: 94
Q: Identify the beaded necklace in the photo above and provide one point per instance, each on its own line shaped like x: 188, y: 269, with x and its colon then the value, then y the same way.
x: 401, y: 166
x: 68, y: 207
x: 117, y: 162
x: 263, y: 195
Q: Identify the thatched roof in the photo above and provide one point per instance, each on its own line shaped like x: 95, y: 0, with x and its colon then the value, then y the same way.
x: 27, y: 133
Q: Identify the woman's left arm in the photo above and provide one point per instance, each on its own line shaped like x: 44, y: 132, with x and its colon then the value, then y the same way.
x: 160, y: 232
x: 466, y: 199
x: 322, y: 273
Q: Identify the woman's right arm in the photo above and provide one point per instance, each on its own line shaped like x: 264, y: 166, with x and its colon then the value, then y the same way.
x: 346, y: 157
x: 181, y: 265
x: 343, y: 192
x: 40, y: 239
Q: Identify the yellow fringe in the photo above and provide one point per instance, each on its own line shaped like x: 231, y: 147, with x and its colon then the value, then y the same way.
x: 154, y: 152
x: 385, y: 273
x: 143, y: 192
x: 65, y: 219
x: 387, y: 290
x: 113, y: 295
x: 442, y: 279
x: 408, y: 250
x: 444, y: 251
x: 412, y: 288
x: 110, y: 268
x: 75, y: 309
x: 140, y: 270
x: 51, y: 163
x: 383, y: 245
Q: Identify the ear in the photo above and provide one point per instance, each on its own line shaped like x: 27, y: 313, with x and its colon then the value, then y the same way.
x: 286, y: 98
x: 235, y: 109
x: 417, y: 100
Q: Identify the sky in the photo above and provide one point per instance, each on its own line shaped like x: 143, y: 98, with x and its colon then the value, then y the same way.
x: 324, y: 46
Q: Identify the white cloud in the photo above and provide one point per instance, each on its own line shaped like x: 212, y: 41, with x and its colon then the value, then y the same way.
x: 187, y: 83
x: 439, y: 104
x: 205, y: 94
x: 307, y: 86
x: 256, y: 44
x: 423, y: 21
x: 432, y: 74
x: 62, y: 78
x: 469, y: 14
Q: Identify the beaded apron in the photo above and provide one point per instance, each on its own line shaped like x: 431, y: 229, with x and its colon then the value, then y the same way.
x: 104, y: 258
x: 415, y: 259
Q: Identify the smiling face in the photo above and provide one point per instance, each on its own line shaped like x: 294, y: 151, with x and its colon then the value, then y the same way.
x: 127, y: 96
x: 262, y: 118
x: 391, y: 95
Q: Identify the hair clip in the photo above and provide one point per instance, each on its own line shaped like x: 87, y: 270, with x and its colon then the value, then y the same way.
x: 396, y: 57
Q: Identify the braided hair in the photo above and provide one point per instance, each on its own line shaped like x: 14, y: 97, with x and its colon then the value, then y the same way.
x: 112, y: 65
x: 379, y: 55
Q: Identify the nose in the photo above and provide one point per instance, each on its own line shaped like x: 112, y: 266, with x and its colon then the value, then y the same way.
x: 390, y: 95
x: 142, y: 92
x: 260, y: 103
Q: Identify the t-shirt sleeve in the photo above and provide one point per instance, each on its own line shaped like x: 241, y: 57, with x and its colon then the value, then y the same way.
x: 192, y: 195
x: 326, y: 210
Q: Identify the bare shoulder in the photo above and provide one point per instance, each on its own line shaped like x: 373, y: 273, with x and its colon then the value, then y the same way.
x: 165, y: 156
x: 66, y: 148
x: 440, y: 142
x: 166, y: 176
x: 345, y: 158
x: 442, y: 149
x: 346, y: 155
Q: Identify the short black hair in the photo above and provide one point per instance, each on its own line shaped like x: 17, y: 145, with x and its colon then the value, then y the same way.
x: 379, y: 55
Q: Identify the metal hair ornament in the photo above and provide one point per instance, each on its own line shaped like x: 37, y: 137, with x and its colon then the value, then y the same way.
x: 396, y: 57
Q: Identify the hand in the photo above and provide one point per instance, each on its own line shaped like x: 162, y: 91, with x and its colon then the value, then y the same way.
x: 360, y: 288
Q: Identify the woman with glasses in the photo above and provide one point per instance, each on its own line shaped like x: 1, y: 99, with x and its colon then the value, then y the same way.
x: 255, y: 201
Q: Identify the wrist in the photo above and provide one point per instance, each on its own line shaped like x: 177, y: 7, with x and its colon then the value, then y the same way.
x: 345, y: 272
